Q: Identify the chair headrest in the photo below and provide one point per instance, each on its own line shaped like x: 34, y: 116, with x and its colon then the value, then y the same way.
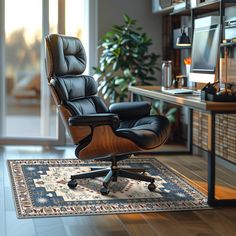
x: 65, y: 55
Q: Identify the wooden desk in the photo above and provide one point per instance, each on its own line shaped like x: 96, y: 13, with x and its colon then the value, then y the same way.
x: 189, y: 100
x: 193, y: 101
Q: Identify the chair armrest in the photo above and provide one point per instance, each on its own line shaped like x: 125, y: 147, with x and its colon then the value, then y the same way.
x: 131, y: 110
x: 95, y: 120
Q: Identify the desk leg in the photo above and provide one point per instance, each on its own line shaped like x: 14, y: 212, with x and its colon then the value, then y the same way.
x: 211, y: 160
x: 190, y: 131
x: 212, y: 201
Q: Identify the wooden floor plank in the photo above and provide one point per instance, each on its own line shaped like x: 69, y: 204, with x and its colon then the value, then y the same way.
x: 198, y: 166
x: 164, y: 224
x: 53, y: 226
x: 94, y: 225
x: 193, y: 223
x: 136, y: 226
x: 218, y: 222
x: 229, y: 213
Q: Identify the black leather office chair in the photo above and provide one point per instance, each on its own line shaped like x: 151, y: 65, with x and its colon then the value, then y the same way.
x: 107, y: 134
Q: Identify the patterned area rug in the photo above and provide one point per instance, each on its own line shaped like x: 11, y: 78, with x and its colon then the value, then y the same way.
x: 40, y: 189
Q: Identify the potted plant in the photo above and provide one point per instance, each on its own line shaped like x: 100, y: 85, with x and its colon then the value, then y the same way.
x: 125, y: 60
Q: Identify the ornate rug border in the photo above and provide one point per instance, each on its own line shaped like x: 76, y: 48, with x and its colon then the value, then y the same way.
x: 109, y: 212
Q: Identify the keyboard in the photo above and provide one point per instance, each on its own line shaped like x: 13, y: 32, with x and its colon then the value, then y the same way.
x: 178, y: 91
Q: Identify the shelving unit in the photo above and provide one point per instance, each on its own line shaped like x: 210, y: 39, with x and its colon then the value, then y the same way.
x: 174, y: 20
x: 203, y: 7
x: 228, y: 45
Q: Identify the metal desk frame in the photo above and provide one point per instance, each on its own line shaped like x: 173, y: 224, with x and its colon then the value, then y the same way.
x: 193, y: 102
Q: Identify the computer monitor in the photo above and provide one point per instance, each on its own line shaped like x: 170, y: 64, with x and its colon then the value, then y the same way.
x: 205, y: 49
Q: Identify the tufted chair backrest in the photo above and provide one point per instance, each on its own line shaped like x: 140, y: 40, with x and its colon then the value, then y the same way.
x: 74, y: 93
x: 65, y: 56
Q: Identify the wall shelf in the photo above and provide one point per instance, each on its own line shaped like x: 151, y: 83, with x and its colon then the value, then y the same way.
x: 166, y: 11
x: 182, y: 47
x: 203, y: 7
x: 209, y: 5
x: 182, y: 12
x: 228, y: 45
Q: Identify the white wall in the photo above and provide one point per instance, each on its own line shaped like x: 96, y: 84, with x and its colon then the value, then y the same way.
x: 111, y: 12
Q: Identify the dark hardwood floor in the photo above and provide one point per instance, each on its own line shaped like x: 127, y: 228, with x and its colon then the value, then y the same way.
x: 217, y: 221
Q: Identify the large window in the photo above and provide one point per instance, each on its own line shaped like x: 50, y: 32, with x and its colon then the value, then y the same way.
x: 27, y: 110
x: 23, y: 34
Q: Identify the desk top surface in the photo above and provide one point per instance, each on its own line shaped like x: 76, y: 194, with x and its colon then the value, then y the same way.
x: 189, y: 100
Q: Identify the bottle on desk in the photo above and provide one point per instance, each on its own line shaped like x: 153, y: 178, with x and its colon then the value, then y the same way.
x: 166, y: 70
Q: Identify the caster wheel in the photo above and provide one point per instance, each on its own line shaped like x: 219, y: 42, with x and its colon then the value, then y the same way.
x: 72, y: 184
x: 104, y: 191
x: 151, y: 187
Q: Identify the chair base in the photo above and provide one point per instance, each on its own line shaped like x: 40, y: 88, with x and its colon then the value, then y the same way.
x: 111, y: 174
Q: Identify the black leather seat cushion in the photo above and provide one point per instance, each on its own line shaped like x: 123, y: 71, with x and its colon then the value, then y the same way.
x: 147, y: 132
x: 131, y: 110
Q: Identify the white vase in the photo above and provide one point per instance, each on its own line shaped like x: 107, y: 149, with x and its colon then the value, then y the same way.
x: 189, y: 83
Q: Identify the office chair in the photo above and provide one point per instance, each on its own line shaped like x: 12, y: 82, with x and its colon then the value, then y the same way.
x: 105, y: 134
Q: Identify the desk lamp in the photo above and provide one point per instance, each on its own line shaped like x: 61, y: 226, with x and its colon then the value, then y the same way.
x: 183, y: 40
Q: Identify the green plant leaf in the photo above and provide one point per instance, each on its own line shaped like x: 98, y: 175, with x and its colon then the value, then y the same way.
x: 171, y: 111
x: 125, y: 60
x: 171, y: 119
x: 126, y: 18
